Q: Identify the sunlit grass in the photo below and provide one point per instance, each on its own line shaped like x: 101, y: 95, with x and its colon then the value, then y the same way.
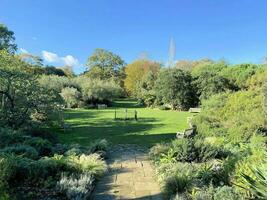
x: 153, y: 125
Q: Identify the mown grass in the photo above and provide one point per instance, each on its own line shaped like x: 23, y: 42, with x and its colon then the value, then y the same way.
x: 153, y: 125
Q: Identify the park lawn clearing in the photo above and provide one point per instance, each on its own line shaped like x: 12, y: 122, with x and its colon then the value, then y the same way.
x: 153, y: 125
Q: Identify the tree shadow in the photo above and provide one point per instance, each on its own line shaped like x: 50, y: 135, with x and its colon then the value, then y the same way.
x: 117, y: 132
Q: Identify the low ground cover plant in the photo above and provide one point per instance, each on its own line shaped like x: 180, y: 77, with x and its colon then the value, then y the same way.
x: 51, y: 170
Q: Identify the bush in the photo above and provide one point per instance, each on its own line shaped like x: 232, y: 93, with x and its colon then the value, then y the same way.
x: 10, y: 137
x: 52, y: 137
x: 157, y: 150
x: 99, y: 146
x: 230, y: 114
x: 206, y: 152
x: 179, y: 182
x: 164, y: 107
x: 203, y: 194
x: 76, y: 149
x: 257, y: 183
x: 18, y: 168
x: 21, y: 150
x: 71, y: 96
x: 92, y: 164
x: 76, y: 187
x: 226, y: 193
x: 47, y: 167
x: 184, y: 150
x: 44, y: 147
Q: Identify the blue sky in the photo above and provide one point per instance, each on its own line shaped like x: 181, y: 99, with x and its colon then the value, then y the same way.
x: 67, y: 31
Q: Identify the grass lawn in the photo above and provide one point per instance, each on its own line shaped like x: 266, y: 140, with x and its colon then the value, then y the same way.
x: 153, y: 125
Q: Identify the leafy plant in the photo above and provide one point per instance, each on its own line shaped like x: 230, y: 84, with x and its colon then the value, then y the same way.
x: 21, y: 150
x: 226, y: 193
x: 257, y: 183
x: 44, y: 147
x: 76, y: 187
x: 92, y: 164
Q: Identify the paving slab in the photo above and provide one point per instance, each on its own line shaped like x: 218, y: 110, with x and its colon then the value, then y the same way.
x: 130, y: 176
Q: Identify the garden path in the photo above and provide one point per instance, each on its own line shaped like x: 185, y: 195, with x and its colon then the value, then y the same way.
x: 130, y: 176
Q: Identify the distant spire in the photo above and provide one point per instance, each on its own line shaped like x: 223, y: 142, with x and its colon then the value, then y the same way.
x: 172, y: 51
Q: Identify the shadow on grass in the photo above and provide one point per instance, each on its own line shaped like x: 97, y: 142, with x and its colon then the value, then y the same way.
x: 85, y: 131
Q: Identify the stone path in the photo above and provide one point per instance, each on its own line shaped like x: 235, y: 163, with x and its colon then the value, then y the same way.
x: 130, y: 176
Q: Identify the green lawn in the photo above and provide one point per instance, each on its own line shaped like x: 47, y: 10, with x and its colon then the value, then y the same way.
x: 153, y: 125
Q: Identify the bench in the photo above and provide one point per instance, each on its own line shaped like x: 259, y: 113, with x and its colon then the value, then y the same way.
x: 194, y: 110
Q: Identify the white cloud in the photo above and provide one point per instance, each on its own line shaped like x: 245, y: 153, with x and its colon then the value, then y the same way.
x: 70, y: 60
x: 23, y: 50
x: 50, y: 57
x: 54, y: 58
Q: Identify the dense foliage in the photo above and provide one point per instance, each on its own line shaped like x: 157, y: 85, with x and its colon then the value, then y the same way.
x: 226, y: 159
x: 32, y: 167
x: 24, y: 100
x: 174, y: 87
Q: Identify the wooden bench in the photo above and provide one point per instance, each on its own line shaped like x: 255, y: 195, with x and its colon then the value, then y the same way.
x: 188, y: 133
x: 101, y: 106
x: 194, y: 110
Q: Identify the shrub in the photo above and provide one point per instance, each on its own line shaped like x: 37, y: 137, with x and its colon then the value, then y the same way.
x: 205, y: 174
x: 44, y: 147
x: 92, y: 164
x: 5, y: 174
x: 99, y: 146
x: 226, y: 193
x: 203, y: 194
x: 18, y: 168
x: 76, y: 187
x: 21, y: 150
x: 184, y: 150
x: 181, y: 181
x: 207, y: 151
x: 257, y: 184
x: 76, y: 149
x: 44, y: 134
x: 71, y: 96
x: 10, y: 137
x: 46, y: 167
x: 157, y: 150
x: 230, y: 114
x: 164, y: 107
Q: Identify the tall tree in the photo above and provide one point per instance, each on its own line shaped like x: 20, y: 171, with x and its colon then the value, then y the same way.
x: 23, y: 99
x: 7, y: 39
x: 135, y: 73
x: 103, y: 64
x: 209, y: 81
x: 174, y: 87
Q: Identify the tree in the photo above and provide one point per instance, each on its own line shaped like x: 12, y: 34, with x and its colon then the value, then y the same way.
x: 230, y: 114
x: 146, y: 89
x: 174, y: 87
x: 264, y: 91
x: 7, y: 39
x: 135, y: 73
x: 68, y: 70
x: 71, y: 96
x: 103, y: 64
x: 188, y: 65
x: 208, y: 80
x: 23, y: 99
x: 98, y: 91
x: 238, y: 75
x: 31, y: 59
